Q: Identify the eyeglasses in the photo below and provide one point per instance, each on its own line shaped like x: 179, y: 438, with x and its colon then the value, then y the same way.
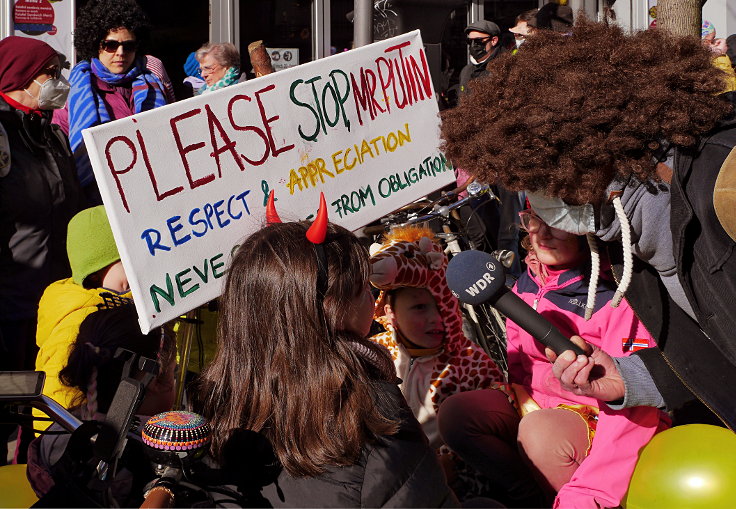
x: 208, y: 69
x: 480, y: 40
x: 111, y: 46
x: 532, y: 223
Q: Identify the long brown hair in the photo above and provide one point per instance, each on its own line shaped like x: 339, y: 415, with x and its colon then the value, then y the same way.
x: 283, y: 367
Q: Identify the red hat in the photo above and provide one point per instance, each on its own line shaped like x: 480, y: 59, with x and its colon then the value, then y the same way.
x: 21, y: 60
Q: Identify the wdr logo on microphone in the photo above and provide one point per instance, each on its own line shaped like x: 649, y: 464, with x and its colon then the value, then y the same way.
x: 483, y: 282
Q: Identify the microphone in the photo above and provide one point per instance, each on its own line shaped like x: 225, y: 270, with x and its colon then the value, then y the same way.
x: 476, y: 277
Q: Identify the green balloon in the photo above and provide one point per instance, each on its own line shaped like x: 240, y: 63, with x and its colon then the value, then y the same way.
x: 686, y: 467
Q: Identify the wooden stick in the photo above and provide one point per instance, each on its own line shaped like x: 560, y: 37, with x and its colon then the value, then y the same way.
x: 259, y: 59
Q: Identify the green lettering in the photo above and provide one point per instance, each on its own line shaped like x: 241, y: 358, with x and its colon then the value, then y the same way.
x: 181, y: 282
x: 167, y: 295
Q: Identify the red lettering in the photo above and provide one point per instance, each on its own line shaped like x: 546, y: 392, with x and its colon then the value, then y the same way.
x: 422, y: 75
x: 229, y: 145
x: 267, y: 122
x: 144, y: 152
x: 253, y: 128
x: 398, y: 63
x: 183, y: 151
x: 385, y: 84
x: 115, y: 173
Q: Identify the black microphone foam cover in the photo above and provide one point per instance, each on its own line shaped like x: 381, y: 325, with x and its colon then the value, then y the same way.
x: 474, y: 277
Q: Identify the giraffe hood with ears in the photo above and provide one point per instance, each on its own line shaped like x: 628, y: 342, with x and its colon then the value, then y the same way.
x: 409, y: 257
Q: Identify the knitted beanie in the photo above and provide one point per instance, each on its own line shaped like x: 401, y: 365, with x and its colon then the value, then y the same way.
x: 707, y: 29
x: 89, y: 243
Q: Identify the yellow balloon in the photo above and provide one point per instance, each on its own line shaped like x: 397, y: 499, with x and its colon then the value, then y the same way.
x: 15, y: 488
x: 686, y: 467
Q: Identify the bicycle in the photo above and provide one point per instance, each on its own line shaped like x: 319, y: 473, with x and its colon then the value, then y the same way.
x: 482, y: 323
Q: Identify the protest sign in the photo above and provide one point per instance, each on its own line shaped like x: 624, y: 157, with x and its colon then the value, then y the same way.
x: 185, y: 183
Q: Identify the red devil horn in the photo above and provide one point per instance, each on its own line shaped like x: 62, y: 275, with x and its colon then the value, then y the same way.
x: 318, y: 231
x: 271, y: 215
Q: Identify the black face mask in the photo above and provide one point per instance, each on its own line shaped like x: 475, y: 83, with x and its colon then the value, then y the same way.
x: 478, y: 48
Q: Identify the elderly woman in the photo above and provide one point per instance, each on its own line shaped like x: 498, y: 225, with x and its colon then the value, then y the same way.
x: 39, y: 193
x: 219, y: 65
x: 111, y: 81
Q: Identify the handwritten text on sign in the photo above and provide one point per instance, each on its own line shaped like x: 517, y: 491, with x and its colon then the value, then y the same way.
x: 184, y: 184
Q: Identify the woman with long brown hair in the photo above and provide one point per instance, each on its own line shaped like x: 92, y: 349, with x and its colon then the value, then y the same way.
x: 293, y: 366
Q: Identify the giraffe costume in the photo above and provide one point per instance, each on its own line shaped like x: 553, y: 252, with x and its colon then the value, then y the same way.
x: 410, y: 257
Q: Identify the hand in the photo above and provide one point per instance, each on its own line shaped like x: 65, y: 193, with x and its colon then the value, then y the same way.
x: 719, y: 47
x: 594, y: 376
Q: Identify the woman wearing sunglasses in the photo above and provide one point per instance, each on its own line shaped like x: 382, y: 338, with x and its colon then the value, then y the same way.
x: 111, y: 81
x: 569, y: 448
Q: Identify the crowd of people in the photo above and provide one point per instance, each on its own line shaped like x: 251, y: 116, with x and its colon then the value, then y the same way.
x: 615, y: 181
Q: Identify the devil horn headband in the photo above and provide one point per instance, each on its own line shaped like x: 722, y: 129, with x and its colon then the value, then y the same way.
x: 317, y: 232
x: 271, y: 215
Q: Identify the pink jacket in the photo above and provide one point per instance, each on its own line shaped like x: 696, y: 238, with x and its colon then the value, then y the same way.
x: 603, y: 478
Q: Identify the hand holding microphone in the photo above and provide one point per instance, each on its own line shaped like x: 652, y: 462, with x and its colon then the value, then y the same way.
x: 476, y: 277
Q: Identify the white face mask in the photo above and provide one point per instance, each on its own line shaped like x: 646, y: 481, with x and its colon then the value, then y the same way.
x: 577, y: 219
x: 52, y: 94
x: 519, y: 42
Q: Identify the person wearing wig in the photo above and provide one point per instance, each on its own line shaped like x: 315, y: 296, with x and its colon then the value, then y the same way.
x: 294, y: 368
x: 39, y: 193
x: 626, y: 138
x: 111, y: 80
x: 581, y: 453
x: 424, y: 333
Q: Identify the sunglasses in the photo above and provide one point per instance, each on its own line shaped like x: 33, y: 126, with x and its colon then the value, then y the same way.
x: 480, y: 40
x: 111, y: 46
x: 532, y: 223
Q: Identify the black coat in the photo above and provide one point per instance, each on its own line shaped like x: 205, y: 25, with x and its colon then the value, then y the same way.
x: 39, y: 194
x: 691, y: 364
x: 399, y: 471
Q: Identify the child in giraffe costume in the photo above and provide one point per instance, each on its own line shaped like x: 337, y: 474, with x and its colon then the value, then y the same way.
x: 409, y: 259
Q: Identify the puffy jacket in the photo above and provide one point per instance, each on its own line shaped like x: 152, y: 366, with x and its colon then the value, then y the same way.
x: 63, y: 307
x: 603, y: 478
x: 39, y: 194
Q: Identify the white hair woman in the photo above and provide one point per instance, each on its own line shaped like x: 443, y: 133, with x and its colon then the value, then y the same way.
x: 219, y: 64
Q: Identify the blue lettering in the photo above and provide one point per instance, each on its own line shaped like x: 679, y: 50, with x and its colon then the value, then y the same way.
x: 209, y: 211
x: 198, y: 221
x: 219, y: 213
x: 153, y: 244
x: 230, y: 210
x: 173, y: 228
x: 241, y: 197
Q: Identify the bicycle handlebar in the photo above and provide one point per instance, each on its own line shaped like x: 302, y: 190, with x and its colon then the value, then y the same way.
x: 61, y: 415
x: 475, y: 190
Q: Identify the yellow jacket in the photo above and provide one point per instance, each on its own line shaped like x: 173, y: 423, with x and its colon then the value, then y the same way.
x: 63, y: 307
x: 723, y: 63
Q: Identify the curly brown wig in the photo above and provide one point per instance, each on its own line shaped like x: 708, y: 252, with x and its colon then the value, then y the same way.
x: 98, y: 17
x: 568, y: 114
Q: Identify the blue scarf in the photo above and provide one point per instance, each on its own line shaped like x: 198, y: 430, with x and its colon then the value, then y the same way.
x: 86, y: 109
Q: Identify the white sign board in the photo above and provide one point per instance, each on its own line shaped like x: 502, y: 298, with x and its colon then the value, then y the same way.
x: 185, y: 183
